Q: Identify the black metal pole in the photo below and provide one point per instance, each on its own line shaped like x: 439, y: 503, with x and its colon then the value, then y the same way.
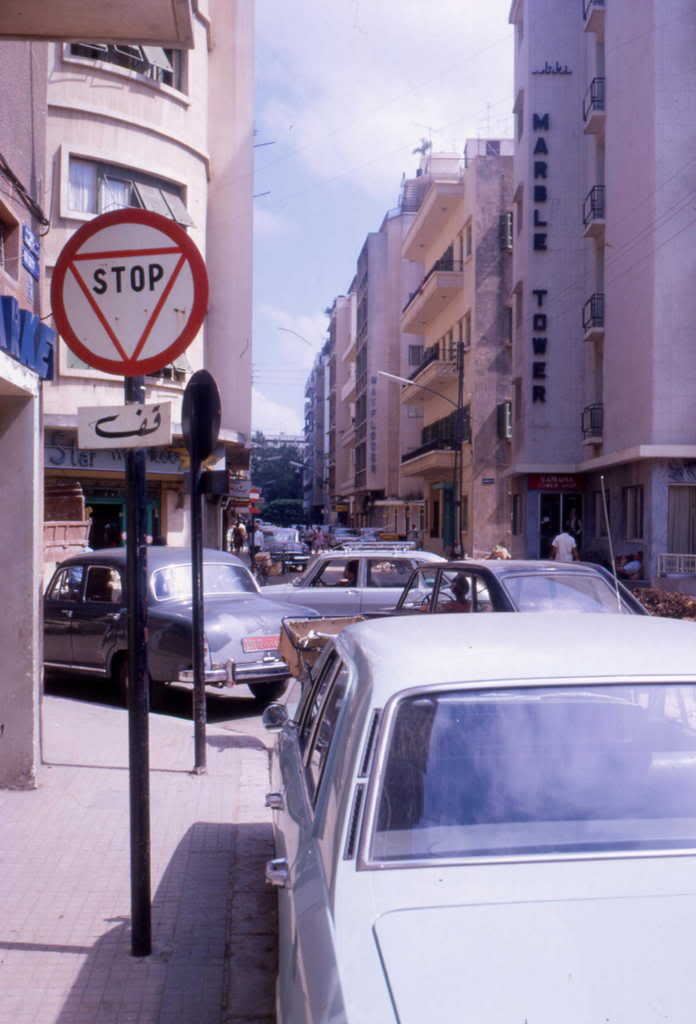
x: 199, y: 698
x: 138, y: 690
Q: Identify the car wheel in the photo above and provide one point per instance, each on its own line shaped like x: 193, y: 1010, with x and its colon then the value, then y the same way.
x: 265, y: 693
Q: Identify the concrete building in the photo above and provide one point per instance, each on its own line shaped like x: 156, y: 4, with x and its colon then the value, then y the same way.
x: 317, y: 396
x: 460, y: 372
x: 169, y: 130
x: 343, y: 316
x: 603, y: 360
x: 27, y: 344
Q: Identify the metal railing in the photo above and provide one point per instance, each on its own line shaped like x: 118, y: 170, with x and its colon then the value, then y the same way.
x: 595, y: 98
x: 593, y: 311
x: 590, y: 5
x: 444, y: 264
x: 445, y: 351
x: 438, y: 444
x: 676, y: 565
x: 593, y: 420
x: 594, y: 206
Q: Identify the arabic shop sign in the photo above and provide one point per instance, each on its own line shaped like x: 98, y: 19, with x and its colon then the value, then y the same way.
x: 25, y: 338
x: 553, y: 69
x: 125, y: 426
x: 541, y: 124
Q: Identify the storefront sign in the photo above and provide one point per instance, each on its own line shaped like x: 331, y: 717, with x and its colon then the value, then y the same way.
x: 24, y: 337
x: 553, y: 69
x: 61, y: 452
x: 553, y: 482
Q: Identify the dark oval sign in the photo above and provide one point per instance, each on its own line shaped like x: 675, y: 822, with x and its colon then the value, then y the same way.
x: 200, y: 415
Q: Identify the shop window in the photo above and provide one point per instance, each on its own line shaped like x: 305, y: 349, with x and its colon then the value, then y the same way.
x: 97, y: 188
x: 164, y: 66
x: 633, y: 512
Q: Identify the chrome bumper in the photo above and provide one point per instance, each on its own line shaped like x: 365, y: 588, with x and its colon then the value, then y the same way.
x: 234, y: 674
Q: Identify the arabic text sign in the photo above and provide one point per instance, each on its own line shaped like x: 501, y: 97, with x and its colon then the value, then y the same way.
x: 129, y: 292
x: 125, y: 426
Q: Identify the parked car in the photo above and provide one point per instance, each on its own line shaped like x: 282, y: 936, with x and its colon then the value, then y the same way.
x: 360, y: 581
x: 490, y: 824
x: 515, y: 586
x: 85, y: 621
x: 338, y: 535
x: 285, y: 546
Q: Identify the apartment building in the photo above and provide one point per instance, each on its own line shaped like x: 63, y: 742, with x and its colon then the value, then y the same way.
x: 317, y: 438
x: 170, y: 130
x: 343, y: 331
x: 460, y: 374
x: 604, y: 305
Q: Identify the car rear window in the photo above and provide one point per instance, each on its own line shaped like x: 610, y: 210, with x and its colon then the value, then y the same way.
x: 562, y: 592
x: 173, y: 582
x: 538, y: 771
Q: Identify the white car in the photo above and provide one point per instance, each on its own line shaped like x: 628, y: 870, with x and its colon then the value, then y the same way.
x: 494, y: 823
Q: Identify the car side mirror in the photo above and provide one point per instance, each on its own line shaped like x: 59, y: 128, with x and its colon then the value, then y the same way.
x: 274, y: 717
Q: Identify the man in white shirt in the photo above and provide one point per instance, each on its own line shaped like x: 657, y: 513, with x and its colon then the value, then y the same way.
x: 563, y: 548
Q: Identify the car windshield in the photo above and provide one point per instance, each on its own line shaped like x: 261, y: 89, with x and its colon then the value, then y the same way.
x: 562, y: 592
x: 174, y: 581
x: 539, y: 771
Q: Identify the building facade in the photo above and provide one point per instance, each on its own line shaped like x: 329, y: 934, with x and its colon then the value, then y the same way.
x: 167, y: 130
x: 459, y: 372
x: 603, y: 362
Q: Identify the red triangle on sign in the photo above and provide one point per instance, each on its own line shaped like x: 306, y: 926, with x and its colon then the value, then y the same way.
x: 152, y: 319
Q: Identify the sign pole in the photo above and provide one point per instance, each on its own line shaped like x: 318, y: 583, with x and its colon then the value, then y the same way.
x: 199, y: 697
x: 138, y: 690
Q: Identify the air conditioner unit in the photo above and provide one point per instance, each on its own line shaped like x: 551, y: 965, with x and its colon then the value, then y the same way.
x: 505, y: 421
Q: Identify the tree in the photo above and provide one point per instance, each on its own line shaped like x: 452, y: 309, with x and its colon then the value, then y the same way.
x: 276, y: 469
x: 284, y: 511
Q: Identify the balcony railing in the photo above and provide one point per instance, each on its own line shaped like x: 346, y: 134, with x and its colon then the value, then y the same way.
x: 444, y: 434
x: 442, y: 350
x: 595, y: 98
x: 593, y: 312
x: 592, y: 420
x: 676, y: 565
x: 446, y: 264
x: 589, y: 6
x: 594, y: 205
x: 436, y: 445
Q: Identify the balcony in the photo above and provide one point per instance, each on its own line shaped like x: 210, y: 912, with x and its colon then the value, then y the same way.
x: 439, y: 361
x: 441, y: 203
x: 433, y: 459
x: 348, y: 391
x: 594, y: 107
x: 593, y: 423
x: 157, y: 23
x: 593, y: 14
x: 593, y: 317
x: 593, y: 213
x: 441, y: 284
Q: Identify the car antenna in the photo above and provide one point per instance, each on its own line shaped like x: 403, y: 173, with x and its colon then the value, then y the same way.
x: 611, y: 544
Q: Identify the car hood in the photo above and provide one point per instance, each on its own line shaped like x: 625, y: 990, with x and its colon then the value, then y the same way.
x: 571, y: 961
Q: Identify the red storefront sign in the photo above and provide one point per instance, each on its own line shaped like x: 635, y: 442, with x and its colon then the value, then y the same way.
x: 553, y: 482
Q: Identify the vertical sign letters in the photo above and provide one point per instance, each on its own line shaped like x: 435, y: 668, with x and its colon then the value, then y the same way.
x: 541, y: 124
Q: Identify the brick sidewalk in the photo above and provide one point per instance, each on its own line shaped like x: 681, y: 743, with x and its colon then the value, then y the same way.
x: 65, y: 888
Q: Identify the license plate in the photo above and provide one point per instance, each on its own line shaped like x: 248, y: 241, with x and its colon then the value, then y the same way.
x: 260, y: 643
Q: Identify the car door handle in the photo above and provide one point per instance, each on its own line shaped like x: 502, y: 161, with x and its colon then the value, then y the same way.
x: 67, y: 612
x: 353, y: 593
x: 275, y: 801
x: 277, y: 872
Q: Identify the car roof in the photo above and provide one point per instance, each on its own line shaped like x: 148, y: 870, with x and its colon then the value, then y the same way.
x: 393, y: 654
x: 158, y: 555
x: 506, y: 566
x: 385, y: 549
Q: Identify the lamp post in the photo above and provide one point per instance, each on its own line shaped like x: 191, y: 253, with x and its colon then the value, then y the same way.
x: 458, y: 406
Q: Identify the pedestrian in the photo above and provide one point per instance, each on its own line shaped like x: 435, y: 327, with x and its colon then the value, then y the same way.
x: 563, y: 548
x: 238, y: 537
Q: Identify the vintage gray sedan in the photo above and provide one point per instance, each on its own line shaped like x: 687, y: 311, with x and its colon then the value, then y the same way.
x: 85, y: 621
x: 493, y: 823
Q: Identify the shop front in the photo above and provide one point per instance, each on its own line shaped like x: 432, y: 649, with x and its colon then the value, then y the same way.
x: 544, y: 505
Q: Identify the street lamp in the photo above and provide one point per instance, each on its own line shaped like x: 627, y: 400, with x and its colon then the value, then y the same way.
x: 459, y: 435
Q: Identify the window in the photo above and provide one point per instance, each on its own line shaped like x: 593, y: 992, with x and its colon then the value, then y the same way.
x: 518, y: 111
x: 419, y: 592
x: 548, y: 770
x: 174, y: 581
x: 9, y: 244
x: 153, y: 62
x: 311, y: 704
x: 67, y: 584
x: 414, y: 412
x: 555, y: 592
x: 633, y: 512
x: 337, y: 572
x: 681, y: 520
x: 97, y: 188
x: 103, y: 585
x: 388, y: 572
x: 599, y: 517
x: 325, y: 731
x: 462, y: 592
x: 415, y: 355
x: 469, y: 239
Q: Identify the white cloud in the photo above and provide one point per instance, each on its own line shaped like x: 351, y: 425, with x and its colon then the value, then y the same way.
x: 269, y: 224
x: 353, y: 86
x: 273, y: 417
x: 296, y: 337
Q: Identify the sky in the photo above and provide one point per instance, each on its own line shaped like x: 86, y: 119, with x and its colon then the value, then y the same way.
x: 345, y: 90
